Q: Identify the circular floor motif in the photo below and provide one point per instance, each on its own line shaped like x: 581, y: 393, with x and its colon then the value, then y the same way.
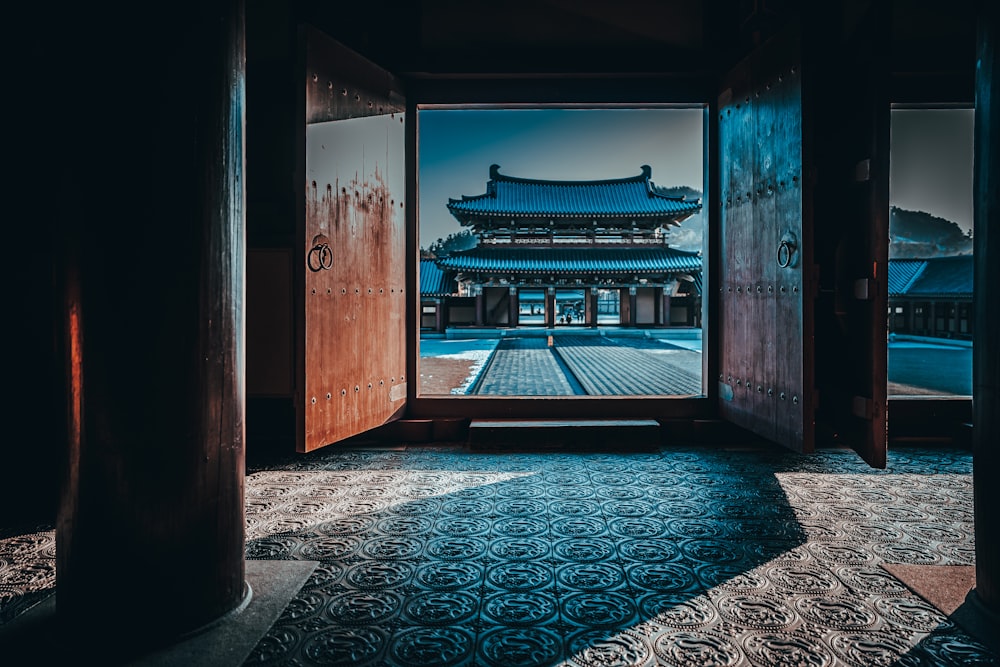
x: 911, y: 612
x: 697, y: 649
x: 648, y: 550
x: 467, y: 507
x: 902, y: 513
x: 519, y: 526
x: 379, y: 574
x: 279, y: 643
x: 621, y: 492
x: 627, y: 508
x: 608, y: 648
x: 574, y: 508
x: 286, y: 524
x: 432, y: 646
x: 839, y: 553
x: 579, y: 526
x: 800, y: 577
x: 774, y: 649
x: 362, y: 607
x: 519, y: 548
x: 519, y: 608
x: 392, y: 548
x: 637, y: 527
x: 755, y: 611
x: 612, y: 478
x: 869, y: 649
x: 874, y: 531
x: 915, y: 554
x: 697, y: 528
x: 520, y: 647
x: 584, y: 549
x: 444, y: 576
x: 525, y: 576
x: 302, y: 606
x: 520, y: 507
x: 936, y: 532
x: 732, y: 577
x: 348, y: 525
x: 324, y: 574
x: 417, y: 506
x: 521, y: 491
x: 712, y: 551
x: 570, y: 492
x: 590, y: 576
x: 456, y: 548
x: 678, y: 610
x: 441, y: 607
x: 683, y: 508
x: 404, y: 525
x: 275, y: 548
x: 874, y: 581
x: 663, y: 577
x: 836, y: 612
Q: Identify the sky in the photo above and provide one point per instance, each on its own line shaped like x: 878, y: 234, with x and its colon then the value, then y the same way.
x: 457, y: 147
x: 931, y: 162
x: 930, y: 158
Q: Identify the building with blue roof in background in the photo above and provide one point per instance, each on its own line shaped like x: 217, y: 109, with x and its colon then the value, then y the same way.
x: 568, y: 253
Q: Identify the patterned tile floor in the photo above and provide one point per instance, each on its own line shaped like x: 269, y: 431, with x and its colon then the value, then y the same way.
x: 438, y: 556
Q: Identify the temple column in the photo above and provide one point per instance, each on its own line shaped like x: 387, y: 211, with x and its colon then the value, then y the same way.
x: 150, y: 528
x: 986, y: 318
x: 513, y: 307
x: 550, y: 307
x: 480, y: 308
x: 657, y: 306
x: 632, y: 306
x: 590, y: 307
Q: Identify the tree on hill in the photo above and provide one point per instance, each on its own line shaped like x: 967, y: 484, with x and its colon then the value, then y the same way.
x: 461, y: 240
x: 920, y: 235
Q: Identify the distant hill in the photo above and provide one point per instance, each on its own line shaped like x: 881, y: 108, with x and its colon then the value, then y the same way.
x: 916, y: 234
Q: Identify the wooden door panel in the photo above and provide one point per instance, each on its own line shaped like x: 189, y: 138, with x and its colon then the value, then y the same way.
x: 765, y: 230
x: 353, y: 247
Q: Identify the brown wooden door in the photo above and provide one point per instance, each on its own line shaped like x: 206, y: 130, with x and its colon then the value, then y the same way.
x: 766, y: 275
x: 353, y: 351
x: 852, y: 236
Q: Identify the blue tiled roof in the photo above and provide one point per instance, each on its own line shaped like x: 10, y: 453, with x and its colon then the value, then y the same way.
x: 434, y: 281
x: 633, y: 197
x: 591, y: 260
x: 902, y: 272
x: 935, y: 277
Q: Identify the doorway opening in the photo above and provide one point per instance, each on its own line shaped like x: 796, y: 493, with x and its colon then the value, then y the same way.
x: 930, y: 253
x: 567, y: 247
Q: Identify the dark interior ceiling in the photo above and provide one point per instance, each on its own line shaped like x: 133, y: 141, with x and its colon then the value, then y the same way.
x: 436, y: 38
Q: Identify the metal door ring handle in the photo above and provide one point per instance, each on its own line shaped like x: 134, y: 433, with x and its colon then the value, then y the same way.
x: 785, y: 251
x: 320, y: 257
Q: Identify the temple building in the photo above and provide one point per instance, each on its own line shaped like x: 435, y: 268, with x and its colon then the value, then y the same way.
x: 574, y: 253
x: 931, y: 297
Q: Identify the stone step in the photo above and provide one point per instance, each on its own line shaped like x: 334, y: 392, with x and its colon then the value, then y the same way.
x: 612, y: 435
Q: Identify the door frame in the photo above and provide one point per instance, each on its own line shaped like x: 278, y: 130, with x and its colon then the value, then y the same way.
x: 560, y: 91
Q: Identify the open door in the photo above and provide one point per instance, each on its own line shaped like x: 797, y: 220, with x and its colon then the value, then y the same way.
x: 852, y: 237
x: 352, y: 247
x: 766, y: 276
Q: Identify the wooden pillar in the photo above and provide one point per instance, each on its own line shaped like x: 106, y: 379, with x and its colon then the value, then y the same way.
x: 513, y: 307
x: 441, y: 315
x: 986, y: 333
x: 481, y: 308
x: 657, y: 306
x: 550, y: 307
x: 590, y: 309
x: 666, y: 308
x: 932, y: 329
x: 632, y: 306
x: 150, y: 529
